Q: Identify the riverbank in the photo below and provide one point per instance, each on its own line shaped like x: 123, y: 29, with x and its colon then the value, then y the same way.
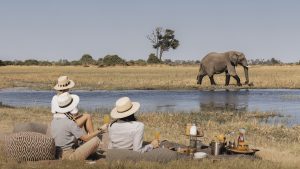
x: 272, y: 140
x: 143, y: 77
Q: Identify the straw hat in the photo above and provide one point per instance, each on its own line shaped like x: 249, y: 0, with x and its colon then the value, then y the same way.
x: 66, y: 102
x: 124, y: 108
x: 63, y: 83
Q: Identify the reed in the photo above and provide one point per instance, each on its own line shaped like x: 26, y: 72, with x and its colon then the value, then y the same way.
x: 142, y: 77
x: 271, y: 139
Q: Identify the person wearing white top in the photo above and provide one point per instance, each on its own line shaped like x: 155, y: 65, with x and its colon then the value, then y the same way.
x: 126, y: 132
x: 64, y: 84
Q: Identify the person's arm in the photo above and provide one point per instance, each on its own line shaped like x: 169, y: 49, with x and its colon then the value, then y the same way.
x: 87, y: 137
x: 79, y: 133
x: 138, y: 141
x: 52, y: 105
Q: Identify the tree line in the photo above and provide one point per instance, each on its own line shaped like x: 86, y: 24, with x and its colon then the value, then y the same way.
x: 162, y: 40
x: 109, y: 60
x: 113, y: 60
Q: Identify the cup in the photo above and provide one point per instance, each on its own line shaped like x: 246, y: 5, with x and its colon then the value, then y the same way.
x: 106, y: 119
x: 157, y: 134
x: 187, y: 129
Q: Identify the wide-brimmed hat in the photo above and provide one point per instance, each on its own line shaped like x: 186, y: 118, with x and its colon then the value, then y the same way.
x: 66, y: 102
x: 63, y: 83
x: 124, y: 108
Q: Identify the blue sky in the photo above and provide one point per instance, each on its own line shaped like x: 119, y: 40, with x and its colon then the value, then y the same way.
x: 67, y: 29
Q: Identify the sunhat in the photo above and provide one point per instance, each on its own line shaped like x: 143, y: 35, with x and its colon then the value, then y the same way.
x: 124, y: 108
x: 63, y: 83
x: 66, y: 102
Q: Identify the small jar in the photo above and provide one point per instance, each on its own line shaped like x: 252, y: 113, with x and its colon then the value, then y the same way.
x: 193, y: 130
x: 193, y: 136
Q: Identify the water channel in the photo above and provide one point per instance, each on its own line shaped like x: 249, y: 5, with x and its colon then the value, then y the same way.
x: 283, y: 101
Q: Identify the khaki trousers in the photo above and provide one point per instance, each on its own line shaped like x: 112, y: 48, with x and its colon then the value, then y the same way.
x: 82, y: 152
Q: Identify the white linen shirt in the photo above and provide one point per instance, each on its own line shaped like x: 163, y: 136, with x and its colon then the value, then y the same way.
x: 127, y: 135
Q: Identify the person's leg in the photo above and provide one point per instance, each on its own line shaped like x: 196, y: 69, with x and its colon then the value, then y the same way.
x: 85, y: 150
x: 104, y: 142
x: 85, y: 121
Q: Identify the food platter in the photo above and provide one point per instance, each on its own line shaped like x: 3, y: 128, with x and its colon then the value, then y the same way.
x: 236, y: 151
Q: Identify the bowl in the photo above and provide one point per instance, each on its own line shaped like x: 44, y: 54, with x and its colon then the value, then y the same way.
x: 200, y: 155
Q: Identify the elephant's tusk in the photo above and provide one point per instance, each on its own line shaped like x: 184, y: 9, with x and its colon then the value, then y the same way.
x: 248, y: 66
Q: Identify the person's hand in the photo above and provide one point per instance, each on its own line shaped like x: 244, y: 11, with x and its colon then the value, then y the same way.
x: 155, y: 143
x: 103, y: 127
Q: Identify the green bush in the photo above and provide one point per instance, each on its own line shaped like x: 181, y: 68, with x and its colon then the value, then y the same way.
x: 100, y: 62
x: 130, y: 63
x: 75, y: 63
x: 112, y: 60
x: 7, y: 62
x: 45, y: 63
x: 152, y: 59
x: 87, y: 59
x: 140, y: 62
x: 30, y: 62
x: 2, y: 63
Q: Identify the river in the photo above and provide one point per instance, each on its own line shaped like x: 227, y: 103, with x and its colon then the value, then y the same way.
x: 283, y: 101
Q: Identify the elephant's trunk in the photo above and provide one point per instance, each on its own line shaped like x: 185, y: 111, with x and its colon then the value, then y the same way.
x: 246, y: 74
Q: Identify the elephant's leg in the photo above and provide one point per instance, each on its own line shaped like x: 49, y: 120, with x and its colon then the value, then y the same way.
x: 212, y: 81
x: 200, y: 75
x: 227, y: 78
x: 237, y: 80
x: 200, y: 79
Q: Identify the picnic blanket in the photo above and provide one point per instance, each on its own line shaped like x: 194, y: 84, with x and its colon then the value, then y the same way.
x: 157, y: 155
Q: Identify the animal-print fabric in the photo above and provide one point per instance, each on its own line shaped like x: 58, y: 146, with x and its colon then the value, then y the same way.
x: 29, y: 146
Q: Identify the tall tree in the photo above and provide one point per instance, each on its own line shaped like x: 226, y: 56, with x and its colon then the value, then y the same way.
x: 163, y: 40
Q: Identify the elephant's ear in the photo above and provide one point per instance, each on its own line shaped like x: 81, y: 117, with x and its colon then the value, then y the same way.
x: 233, y: 57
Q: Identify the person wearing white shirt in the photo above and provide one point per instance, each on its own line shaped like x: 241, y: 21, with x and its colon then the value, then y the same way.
x: 126, y: 132
x: 64, y: 84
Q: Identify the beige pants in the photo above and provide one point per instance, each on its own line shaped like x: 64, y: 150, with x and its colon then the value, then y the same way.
x: 82, y: 152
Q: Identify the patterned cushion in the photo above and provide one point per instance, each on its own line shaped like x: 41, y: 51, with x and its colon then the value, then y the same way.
x: 29, y: 146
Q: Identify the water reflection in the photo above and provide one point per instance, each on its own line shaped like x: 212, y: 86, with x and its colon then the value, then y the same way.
x: 225, y: 101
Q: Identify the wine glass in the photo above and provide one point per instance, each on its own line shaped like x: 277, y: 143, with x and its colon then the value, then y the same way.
x: 106, y: 119
x: 157, y: 134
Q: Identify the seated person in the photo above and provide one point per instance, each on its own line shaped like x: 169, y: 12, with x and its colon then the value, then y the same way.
x: 64, y: 84
x: 126, y: 132
x: 66, y: 132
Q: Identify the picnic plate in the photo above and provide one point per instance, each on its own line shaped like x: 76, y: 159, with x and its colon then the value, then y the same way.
x: 200, y: 155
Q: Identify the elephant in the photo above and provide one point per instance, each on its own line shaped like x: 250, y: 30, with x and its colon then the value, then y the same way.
x: 216, y: 63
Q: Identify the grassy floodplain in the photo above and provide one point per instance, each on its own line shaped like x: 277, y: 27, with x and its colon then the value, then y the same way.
x: 279, y: 145
x: 142, y: 77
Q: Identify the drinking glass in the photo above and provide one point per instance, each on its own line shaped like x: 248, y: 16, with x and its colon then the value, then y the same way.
x: 106, y: 119
x: 157, y: 134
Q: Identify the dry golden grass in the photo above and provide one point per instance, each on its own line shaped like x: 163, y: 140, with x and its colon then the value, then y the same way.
x: 203, y: 164
x: 138, y: 77
x: 279, y: 145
